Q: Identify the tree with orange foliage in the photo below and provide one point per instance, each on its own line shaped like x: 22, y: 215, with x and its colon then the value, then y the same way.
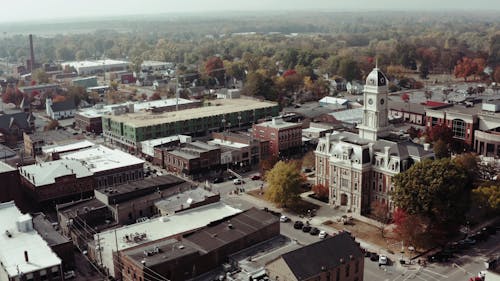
x: 214, y: 67
x: 58, y: 98
x: 469, y: 67
x: 321, y: 191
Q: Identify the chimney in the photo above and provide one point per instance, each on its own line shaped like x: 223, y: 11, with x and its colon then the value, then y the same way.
x: 26, y: 256
x: 32, y: 54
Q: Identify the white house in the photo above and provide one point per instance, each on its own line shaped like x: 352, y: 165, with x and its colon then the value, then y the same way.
x: 60, y: 110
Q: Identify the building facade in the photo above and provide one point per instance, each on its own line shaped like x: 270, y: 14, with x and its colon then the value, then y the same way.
x: 336, y: 258
x: 284, y: 137
x: 128, y: 130
x: 358, y: 168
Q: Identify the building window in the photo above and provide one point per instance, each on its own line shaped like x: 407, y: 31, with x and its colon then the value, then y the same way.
x: 459, y: 128
x: 347, y: 269
x: 356, y: 267
x: 338, y: 275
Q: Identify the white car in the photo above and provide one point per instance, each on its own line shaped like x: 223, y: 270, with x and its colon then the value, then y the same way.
x: 237, y: 181
x: 284, y: 219
x: 382, y: 260
x: 322, y: 234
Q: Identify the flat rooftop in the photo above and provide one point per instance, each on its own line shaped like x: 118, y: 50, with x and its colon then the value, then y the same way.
x: 135, y: 189
x: 160, y: 141
x: 183, y: 200
x: 226, y: 106
x: 45, y: 173
x: 232, y: 229
x: 100, y: 158
x: 278, y: 123
x: 163, y: 251
x: 107, y: 109
x: 159, y: 228
x: 12, y: 254
x: 47, y: 231
x: 95, y: 63
x: 49, y: 149
x: 226, y: 143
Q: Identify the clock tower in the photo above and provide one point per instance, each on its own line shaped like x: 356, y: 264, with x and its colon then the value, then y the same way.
x: 375, y: 115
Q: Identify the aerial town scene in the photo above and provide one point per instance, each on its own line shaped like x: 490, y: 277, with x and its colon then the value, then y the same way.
x: 265, y: 140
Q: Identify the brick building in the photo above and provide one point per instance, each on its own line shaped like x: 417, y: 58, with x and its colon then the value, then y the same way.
x: 192, y: 159
x: 9, y: 177
x: 199, y: 252
x: 284, y: 138
x: 257, y: 149
x: 56, y: 181
x: 336, y: 258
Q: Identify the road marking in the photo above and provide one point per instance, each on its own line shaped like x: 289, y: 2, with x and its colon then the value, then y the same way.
x: 438, y: 274
x: 428, y: 275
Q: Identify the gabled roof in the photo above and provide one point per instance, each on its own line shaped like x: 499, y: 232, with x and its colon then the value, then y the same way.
x: 308, y: 261
x: 20, y: 118
x: 68, y: 104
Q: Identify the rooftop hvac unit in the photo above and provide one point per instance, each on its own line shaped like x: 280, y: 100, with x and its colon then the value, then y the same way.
x: 24, y: 223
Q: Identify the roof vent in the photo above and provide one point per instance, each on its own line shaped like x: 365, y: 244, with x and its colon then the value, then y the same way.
x: 230, y: 226
x: 181, y: 247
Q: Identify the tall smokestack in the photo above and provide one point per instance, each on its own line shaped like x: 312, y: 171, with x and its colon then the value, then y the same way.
x: 26, y: 256
x: 32, y: 54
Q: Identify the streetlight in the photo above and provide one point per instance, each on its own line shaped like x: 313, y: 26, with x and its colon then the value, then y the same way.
x: 223, y: 124
x: 239, y: 121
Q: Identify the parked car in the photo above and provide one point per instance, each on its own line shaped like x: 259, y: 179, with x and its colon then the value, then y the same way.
x: 314, y: 231
x: 382, y: 260
x: 322, y: 234
x: 467, y: 241
x: 237, y: 181
x: 306, y: 228
x: 374, y: 257
x: 231, y: 177
x: 284, y: 219
x: 255, y: 177
x: 298, y: 225
x: 440, y: 257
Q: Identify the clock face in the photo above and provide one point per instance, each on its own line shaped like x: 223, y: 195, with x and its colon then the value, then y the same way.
x: 381, y: 81
x: 370, y: 101
x: 382, y: 101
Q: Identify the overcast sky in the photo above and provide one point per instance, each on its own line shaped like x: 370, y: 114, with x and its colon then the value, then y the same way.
x: 62, y: 9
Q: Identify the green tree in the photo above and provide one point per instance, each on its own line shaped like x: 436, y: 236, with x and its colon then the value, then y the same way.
x: 349, y: 69
x: 488, y: 196
x: 436, y: 190
x: 283, y: 183
x: 258, y: 85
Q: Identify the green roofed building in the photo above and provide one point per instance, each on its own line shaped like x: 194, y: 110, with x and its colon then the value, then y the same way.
x: 130, y: 129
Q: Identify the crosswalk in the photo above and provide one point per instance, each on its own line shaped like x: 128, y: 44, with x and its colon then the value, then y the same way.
x: 420, y: 273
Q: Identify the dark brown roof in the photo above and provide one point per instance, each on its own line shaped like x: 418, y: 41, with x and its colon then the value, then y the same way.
x: 232, y: 229
x: 308, y: 261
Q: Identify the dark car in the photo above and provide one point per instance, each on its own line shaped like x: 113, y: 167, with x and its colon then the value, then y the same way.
x: 306, y: 228
x: 367, y: 253
x: 298, y: 225
x: 255, y: 177
x: 231, y: 177
x: 314, y: 231
x: 217, y: 180
x: 374, y: 257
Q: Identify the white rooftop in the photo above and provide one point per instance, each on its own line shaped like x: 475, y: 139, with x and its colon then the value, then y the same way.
x: 349, y: 116
x: 148, y: 146
x: 332, y: 100
x: 100, y: 158
x: 227, y: 143
x: 98, y: 111
x: 40, y: 255
x: 4, y: 167
x: 94, y: 63
x: 159, y: 103
x: 45, y: 173
x: 313, y: 130
x: 278, y: 123
x: 49, y: 149
x: 159, y: 228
